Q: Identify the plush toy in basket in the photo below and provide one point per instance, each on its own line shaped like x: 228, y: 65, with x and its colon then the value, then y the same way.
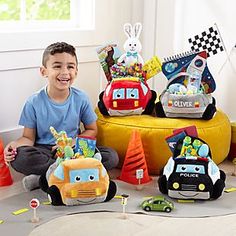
x: 127, y: 92
x: 189, y: 88
x: 127, y: 96
x: 80, y: 181
x: 132, y: 45
x: 191, y: 173
x: 76, y: 179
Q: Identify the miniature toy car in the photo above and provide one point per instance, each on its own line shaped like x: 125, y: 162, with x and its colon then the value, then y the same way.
x: 127, y: 96
x: 157, y: 203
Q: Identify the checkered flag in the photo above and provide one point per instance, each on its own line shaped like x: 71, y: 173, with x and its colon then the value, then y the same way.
x: 209, y: 41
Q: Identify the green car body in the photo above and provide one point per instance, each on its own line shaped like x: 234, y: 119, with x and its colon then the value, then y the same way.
x: 157, y: 203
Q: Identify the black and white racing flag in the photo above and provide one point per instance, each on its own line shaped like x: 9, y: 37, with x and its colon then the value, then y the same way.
x: 209, y: 41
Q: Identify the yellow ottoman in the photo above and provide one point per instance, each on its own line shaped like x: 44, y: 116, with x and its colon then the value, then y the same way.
x: 232, y: 151
x: 115, y: 132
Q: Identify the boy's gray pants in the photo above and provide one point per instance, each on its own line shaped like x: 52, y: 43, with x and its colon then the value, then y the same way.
x: 37, y: 159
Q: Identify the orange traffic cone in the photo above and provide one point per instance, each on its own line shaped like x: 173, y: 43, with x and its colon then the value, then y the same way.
x: 5, y: 175
x: 134, y: 160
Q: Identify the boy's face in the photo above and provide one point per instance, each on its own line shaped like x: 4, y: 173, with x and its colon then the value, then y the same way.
x: 61, y: 70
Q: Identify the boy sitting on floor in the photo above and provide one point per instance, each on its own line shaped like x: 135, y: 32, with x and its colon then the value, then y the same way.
x: 58, y: 105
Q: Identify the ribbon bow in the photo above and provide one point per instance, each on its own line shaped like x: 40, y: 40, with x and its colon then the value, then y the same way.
x: 129, y: 54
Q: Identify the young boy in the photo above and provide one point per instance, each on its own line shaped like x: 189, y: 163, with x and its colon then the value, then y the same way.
x: 58, y: 105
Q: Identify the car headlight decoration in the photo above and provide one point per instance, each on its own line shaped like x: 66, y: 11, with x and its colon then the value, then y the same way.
x: 175, y: 185
x: 201, y: 187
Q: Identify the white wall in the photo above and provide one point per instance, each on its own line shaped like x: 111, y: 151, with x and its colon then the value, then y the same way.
x: 20, y: 56
x: 158, y: 33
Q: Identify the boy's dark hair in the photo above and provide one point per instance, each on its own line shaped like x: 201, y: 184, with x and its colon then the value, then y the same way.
x: 58, y: 47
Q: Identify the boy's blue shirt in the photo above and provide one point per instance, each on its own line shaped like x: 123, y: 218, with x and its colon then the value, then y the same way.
x: 40, y: 112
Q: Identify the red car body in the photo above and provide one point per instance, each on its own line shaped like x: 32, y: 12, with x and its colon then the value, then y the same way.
x: 126, y: 96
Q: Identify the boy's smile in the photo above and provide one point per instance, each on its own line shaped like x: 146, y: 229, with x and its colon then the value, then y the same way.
x: 61, y: 70
x: 64, y: 80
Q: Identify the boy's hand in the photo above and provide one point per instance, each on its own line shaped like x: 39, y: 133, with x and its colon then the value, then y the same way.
x: 9, y: 153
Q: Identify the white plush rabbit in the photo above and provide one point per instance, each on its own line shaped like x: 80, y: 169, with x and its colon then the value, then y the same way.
x: 132, y: 45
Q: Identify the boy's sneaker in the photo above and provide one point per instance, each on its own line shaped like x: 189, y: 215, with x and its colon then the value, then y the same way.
x: 30, y: 182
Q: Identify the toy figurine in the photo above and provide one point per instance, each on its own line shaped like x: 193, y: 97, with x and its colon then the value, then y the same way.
x: 63, y: 143
x: 197, y: 144
x: 185, y: 147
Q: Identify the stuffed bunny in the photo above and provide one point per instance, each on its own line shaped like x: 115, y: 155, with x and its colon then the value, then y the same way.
x: 132, y: 45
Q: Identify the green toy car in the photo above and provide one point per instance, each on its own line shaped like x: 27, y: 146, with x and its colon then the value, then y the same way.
x: 157, y: 203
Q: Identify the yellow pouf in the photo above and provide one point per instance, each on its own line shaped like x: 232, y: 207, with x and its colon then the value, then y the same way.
x: 115, y: 132
x: 232, y: 151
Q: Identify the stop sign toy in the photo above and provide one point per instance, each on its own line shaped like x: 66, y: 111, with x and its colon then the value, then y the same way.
x: 34, y: 204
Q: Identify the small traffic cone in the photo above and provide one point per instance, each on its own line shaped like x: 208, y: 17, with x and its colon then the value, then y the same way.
x: 134, y: 160
x: 5, y: 175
